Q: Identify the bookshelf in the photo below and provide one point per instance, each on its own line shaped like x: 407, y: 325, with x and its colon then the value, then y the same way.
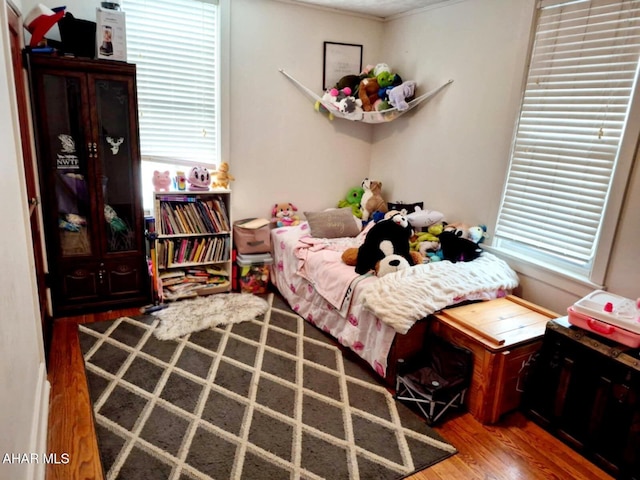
x: 193, y: 241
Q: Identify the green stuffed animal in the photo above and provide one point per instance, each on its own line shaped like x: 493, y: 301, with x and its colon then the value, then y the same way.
x: 385, y: 79
x: 431, y: 236
x: 353, y: 198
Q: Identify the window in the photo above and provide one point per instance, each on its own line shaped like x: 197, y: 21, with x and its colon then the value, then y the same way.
x: 575, y: 138
x: 175, y: 47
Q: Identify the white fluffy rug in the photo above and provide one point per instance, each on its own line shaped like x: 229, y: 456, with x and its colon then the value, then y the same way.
x: 195, y: 314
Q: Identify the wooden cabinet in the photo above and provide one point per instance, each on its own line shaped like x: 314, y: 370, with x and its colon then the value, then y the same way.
x: 586, y: 391
x: 502, y: 334
x: 193, y: 243
x: 85, y: 116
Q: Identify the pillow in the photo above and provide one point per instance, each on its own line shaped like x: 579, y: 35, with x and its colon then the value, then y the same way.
x: 334, y: 223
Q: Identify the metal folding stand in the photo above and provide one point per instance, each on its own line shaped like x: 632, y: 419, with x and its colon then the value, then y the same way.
x: 436, y: 379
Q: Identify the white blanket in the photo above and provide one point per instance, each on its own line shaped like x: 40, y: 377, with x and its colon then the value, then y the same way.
x: 400, y: 299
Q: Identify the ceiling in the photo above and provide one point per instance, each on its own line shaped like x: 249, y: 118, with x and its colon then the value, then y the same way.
x: 376, y: 8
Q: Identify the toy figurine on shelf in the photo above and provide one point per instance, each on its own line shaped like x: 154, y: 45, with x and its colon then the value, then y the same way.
x: 199, y: 179
x: 223, y: 177
x: 161, y: 181
x: 181, y: 180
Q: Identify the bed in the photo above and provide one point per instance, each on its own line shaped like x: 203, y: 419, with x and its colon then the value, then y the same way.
x: 380, y: 319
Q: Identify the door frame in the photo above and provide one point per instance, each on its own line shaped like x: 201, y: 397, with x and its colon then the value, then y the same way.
x: 30, y: 169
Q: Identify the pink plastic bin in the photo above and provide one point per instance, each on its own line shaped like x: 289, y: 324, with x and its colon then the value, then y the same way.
x: 604, y: 329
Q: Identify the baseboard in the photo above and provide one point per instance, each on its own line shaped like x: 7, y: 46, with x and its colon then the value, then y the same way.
x: 39, y: 424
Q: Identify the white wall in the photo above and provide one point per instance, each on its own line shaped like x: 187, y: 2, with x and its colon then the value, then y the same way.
x: 24, y: 389
x: 281, y: 150
x: 453, y: 151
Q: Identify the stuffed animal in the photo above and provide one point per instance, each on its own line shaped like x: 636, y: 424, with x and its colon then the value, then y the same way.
x: 284, y: 216
x: 478, y: 233
x: 161, y: 181
x: 459, y: 228
x: 372, y: 200
x: 353, y: 198
x: 352, y: 82
x: 341, y: 100
x: 368, y: 93
x: 423, y: 237
x: 456, y: 248
x: 351, y: 108
x: 199, y: 179
x: 380, y: 68
x: 223, y: 177
x: 424, y: 218
x: 395, y: 230
x: 387, y: 81
x: 391, y: 261
x: 398, y: 96
x: 428, y: 243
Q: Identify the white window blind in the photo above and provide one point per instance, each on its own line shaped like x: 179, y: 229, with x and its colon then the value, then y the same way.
x: 174, y: 45
x: 575, y: 108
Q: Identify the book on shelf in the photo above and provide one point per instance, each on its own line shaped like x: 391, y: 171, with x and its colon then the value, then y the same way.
x: 218, y: 271
x: 167, y: 282
x: 198, y: 255
x: 201, y: 280
x: 183, y: 249
x: 176, y: 198
x: 182, y: 219
x: 172, y: 274
x: 206, y: 217
x: 195, y: 215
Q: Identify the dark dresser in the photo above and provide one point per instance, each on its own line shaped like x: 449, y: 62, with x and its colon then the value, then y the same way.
x: 585, y: 390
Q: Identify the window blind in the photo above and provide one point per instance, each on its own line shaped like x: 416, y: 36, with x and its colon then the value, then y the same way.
x: 582, y: 74
x: 173, y: 43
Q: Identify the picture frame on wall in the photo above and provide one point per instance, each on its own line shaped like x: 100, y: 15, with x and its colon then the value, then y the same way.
x: 340, y: 59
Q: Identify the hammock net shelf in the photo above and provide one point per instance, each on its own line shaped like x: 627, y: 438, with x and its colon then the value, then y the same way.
x: 382, y: 116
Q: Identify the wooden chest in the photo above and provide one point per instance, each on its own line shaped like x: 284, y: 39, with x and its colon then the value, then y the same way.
x: 502, y: 334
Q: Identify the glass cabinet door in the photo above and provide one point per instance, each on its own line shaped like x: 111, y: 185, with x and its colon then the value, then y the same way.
x: 67, y: 170
x: 116, y: 152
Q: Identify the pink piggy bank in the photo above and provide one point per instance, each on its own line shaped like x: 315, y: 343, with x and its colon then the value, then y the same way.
x: 161, y: 181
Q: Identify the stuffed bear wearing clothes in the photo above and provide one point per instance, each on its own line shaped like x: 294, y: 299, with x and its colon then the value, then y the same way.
x: 284, y: 215
x: 395, y: 230
x: 372, y: 200
x: 223, y: 177
x: 399, y: 95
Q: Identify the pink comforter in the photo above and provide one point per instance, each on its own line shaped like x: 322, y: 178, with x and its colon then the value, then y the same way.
x: 357, y: 328
x: 320, y: 263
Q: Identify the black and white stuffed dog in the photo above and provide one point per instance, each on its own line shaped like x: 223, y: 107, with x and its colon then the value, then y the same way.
x: 395, y: 230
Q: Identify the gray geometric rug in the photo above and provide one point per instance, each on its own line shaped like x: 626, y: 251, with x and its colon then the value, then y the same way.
x: 271, y: 398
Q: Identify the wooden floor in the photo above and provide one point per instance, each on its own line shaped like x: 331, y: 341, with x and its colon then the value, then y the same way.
x: 511, y: 450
